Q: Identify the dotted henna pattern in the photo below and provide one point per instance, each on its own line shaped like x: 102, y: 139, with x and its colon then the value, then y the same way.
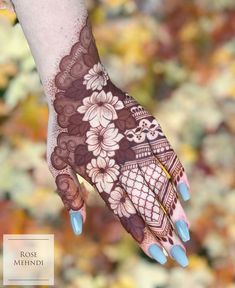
x: 112, y: 142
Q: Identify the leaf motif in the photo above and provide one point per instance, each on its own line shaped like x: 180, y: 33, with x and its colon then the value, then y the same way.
x: 73, y: 129
x: 120, y: 124
x: 88, y: 60
x: 77, y: 125
x: 84, y: 126
x: 76, y: 92
x: 131, y: 122
x: 124, y: 144
x: 135, y: 226
x: 76, y: 118
x: 81, y: 155
x: 125, y: 120
x: 115, y: 90
x: 123, y: 114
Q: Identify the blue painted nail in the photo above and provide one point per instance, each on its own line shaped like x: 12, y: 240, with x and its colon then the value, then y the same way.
x: 76, y: 221
x: 179, y: 255
x: 156, y: 252
x: 182, y: 229
x: 183, y: 191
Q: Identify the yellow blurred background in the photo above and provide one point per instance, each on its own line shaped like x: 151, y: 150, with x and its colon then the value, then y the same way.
x: 177, y: 58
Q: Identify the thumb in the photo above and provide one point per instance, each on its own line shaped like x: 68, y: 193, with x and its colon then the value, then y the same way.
x: 71, y: 193
x: 67, y: 184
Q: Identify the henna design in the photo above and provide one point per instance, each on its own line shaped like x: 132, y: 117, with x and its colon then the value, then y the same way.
x: 113, y: 142
x: 67, y: 190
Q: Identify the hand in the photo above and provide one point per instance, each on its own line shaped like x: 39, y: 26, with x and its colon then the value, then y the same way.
x: 104, y: 135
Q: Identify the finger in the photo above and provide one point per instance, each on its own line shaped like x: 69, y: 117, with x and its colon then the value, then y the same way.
x: 119, y: 203
x: 174, y: 209
x: 158, y: 181
x: 70, y: 191
x: 166, y: 155
x: 145, y: 202
x: 152, y: 247
x: 168, y: 197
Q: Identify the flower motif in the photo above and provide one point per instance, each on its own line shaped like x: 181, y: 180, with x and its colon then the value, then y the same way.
x: 103, y: 141
x: 103, y: 172
x: 120, y: 203
x: 96, y: 78
x: 100, y: 108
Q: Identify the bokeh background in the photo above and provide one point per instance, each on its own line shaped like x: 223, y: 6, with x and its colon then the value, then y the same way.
x: 177, y: 58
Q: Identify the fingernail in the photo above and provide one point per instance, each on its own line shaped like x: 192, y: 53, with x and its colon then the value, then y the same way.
x: 156, y: 252
x: 183, y: 189
x: 76, y: 222
x: 179, y: 255
x: 182, y: 229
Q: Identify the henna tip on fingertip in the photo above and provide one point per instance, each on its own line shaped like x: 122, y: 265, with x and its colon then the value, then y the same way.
x: 157, y: 254
x: 76, y: 222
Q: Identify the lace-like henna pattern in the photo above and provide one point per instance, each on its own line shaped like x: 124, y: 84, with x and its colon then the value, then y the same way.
x: 114, y: 143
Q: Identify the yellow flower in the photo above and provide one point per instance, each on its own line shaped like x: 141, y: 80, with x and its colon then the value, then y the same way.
x: 115, y: 3
x: 189, y: 153
x: 6, y: 70
x: 133, y: 38
x: 231, y: 91
x: 189, y: 32
x: 124, y: 281
x: 221, y: 56
x: 197, y: 261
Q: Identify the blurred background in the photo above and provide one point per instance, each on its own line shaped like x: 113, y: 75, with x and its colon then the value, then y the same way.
x: 177, y: 58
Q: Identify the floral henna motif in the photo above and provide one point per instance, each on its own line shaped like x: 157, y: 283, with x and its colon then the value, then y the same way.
x: 103, y: 141
x: 104, y: 172
x: 120, y: 203
x: 96, y: 78
x: 110, y: 140
x: 100, y: 108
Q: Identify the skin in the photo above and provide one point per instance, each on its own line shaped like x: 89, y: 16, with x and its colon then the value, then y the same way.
x: 99, y: 131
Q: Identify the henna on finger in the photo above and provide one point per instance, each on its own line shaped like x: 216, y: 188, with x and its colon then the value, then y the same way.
x: 152, y: 247
x: 165, y: 192
x: 152, y: 213
x: 146, y: 203
x: 149, y: 131
x: 119, y: 203
x: 158, y: 182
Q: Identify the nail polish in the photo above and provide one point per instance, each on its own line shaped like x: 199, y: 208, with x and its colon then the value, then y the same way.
x: 182, y: 229
x: 179, y: 255
x: 156, y: 252
x: 183, y: 189
x: 76, y: 222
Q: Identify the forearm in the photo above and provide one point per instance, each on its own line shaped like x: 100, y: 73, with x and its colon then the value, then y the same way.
x: 51, y: 28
